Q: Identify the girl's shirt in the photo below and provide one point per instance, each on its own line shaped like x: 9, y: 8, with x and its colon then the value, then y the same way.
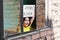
x: 26, y: 29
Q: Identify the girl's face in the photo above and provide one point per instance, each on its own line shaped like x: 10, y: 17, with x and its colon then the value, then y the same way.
x: 26, y: 22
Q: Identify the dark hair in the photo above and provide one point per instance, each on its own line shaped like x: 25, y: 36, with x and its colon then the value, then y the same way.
x: 29, y: 20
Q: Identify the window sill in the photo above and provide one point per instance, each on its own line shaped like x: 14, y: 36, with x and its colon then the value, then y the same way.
x: 31, y: 33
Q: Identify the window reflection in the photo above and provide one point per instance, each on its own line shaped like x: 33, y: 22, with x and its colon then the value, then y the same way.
x: 11, y: 12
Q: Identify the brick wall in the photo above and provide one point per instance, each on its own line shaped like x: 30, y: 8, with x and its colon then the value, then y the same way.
x: 43, y: 35
x: 40, y: 11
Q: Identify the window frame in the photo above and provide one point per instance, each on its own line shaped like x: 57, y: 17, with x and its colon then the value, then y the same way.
x: 21, y: 9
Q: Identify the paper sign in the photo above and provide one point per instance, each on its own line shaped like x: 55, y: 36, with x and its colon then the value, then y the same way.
x: 28, y: 10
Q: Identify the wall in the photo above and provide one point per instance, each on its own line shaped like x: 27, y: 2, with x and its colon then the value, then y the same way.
x: 46, y: 34
x: 54, y: 15
x: 40, y: 11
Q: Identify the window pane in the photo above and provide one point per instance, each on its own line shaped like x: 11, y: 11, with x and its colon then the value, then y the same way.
x: 11, y: 12
x: 29, y: 15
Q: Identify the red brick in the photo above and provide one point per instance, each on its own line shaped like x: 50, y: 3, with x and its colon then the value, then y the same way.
x: 48, y: 38
x: 48, y: 32
x: 42, y: 33
x: 35, y: 36
x: 28, y: 38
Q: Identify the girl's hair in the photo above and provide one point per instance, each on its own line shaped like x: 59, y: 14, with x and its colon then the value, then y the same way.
x: 29, y: 19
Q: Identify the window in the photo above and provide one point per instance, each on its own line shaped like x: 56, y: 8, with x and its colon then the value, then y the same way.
x: 31, y: 16
x: 11, y: 14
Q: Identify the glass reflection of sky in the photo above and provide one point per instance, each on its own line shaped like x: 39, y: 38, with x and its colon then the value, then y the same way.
x: 10, y: 14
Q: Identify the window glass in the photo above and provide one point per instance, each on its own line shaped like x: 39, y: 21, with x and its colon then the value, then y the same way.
x: 11, y: 12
